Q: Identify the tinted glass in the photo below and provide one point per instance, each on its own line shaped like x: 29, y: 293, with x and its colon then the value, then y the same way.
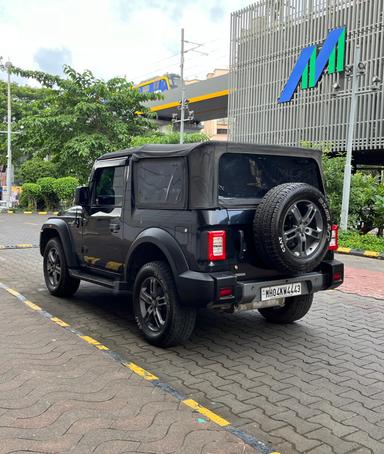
x: 109, y: 186
x: 249, y: 176
x: 159, y: 182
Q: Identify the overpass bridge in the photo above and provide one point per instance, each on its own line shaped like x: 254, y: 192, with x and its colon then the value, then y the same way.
x: 208, y: 99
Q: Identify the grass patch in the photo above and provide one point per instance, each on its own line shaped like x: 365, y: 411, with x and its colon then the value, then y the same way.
x: 365, y: 242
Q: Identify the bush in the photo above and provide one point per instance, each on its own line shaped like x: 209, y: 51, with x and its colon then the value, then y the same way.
x: 170, y: 137
x: 355, y: 240
x: 30, y: 195
x: 35, y: 168
x: 65, y: 189
x: 366, y: 204
x: 48, y: 194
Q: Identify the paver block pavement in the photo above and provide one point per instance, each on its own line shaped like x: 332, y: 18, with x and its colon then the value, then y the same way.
x: 59, y: 394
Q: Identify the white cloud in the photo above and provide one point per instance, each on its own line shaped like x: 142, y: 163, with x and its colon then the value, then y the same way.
x: 118, y: 37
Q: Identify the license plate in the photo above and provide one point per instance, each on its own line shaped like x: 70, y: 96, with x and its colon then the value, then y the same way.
x: 280, y: 291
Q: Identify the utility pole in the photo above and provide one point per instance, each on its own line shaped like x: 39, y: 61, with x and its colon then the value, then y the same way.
x: 183, y: 102
x: 8, y: 65
x: 351, y: 130
x: 182, y: 106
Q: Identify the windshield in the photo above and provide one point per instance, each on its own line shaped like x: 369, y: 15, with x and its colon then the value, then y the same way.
x: 250, y: 176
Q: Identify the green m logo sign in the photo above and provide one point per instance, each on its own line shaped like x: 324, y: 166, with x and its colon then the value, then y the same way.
x: 310, y: 66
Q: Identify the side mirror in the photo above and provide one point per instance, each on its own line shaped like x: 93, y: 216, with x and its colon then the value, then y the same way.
x: 82, y: 196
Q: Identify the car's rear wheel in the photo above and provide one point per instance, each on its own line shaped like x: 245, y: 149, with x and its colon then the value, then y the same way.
x: 57, y: 278
x: 294, y: 309
x: 160, y: 317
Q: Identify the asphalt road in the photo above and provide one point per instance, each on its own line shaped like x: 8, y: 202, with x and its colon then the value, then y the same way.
x: 316, y: 386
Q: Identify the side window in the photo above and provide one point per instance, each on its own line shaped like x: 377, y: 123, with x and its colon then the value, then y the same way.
x: 108, y: 186
x: 160, y: 183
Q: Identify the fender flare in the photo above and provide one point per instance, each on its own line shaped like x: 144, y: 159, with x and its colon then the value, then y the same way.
x: 61, y: 230
x: 168, y: 246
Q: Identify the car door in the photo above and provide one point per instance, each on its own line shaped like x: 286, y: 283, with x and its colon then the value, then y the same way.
x: 102, y: 222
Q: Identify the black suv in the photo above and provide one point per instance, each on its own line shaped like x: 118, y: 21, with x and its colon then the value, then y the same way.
x: 221, y: 225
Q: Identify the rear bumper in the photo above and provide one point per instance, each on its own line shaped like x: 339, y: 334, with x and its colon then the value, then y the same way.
x: 202, y: 289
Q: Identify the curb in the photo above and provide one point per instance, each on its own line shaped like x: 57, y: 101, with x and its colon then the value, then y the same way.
x: 361, y: 253
x: 18, y: 246
x: 145, y: 375
x: 43, y: 213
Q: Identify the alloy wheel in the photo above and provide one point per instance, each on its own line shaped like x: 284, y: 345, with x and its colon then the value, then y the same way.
x: 154, y: 304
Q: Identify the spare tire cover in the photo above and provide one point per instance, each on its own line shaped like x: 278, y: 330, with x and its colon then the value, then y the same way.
x: 292, y: 228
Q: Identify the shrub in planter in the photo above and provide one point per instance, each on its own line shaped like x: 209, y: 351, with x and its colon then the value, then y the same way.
x: 65, y: 190
x: 30, y: 194
x: 48, y: 193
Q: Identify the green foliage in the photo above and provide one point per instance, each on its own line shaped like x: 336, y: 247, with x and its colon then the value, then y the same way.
x: 80, y: 117
x: 48, y: 193
x: 366, y: 205
x: 65, y: 189
x: 30, y: 195
x: 26, y: 101
x: 367, y: 242
x: 167, y: 138
x: 33, y: 169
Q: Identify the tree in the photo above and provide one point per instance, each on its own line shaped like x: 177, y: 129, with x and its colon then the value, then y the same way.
x: 172, y: 137
x: 26, y: 101
x: 33, y: 169
x: 81, y: 117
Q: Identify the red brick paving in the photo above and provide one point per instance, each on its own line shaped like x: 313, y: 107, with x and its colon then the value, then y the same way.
x: 363, y: 282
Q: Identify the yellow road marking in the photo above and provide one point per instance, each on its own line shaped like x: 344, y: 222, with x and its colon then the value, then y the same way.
x: 55, y: 213
x: 344, y: 249
x: 10, y: 212
x: 140, y: 371
x: 13, y: 292
x: 208, y: 413
x: 59, y: 322
x: 43, y: 212
x: 371, y: 254
x: 24, y: 245
x: 33, y: 306
x: 27, y: 212
x: 94, y: 342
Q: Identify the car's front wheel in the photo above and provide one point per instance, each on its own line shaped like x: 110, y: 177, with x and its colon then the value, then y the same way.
x: 294, y: 309
x: 57, y: 278
x: 160, y: 317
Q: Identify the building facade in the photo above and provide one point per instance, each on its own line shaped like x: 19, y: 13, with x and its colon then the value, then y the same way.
x: 290, y: 74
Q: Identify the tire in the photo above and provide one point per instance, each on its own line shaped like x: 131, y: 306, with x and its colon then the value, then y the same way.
x: 159, y: 316
x: 57, y: 278
x: 292, y: 228
x: 294, y: 309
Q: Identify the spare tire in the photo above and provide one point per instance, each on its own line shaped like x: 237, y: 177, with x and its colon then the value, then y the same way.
x: 292, y: 228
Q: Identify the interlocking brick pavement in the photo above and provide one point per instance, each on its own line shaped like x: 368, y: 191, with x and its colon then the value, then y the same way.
x: 316, y: 386
x: 58, y: 394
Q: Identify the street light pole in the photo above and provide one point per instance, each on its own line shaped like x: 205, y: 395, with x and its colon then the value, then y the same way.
x: 351, y: 130
x: 182, y: 106
x: 8, y: 65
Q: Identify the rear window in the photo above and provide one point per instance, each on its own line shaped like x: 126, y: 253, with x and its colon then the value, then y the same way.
x: 249, y: 176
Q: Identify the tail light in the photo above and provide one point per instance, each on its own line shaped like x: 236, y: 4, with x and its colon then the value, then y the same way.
x: 216, y: 245
x: 334, y: 243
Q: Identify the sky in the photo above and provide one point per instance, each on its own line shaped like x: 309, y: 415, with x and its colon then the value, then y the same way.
x: 137, y: 39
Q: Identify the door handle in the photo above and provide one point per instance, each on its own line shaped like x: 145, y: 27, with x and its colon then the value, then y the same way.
x: 114, y: 227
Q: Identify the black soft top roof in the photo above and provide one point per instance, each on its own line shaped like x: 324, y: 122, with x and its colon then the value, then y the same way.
x: 203, y: 159
x: 173, y: 150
